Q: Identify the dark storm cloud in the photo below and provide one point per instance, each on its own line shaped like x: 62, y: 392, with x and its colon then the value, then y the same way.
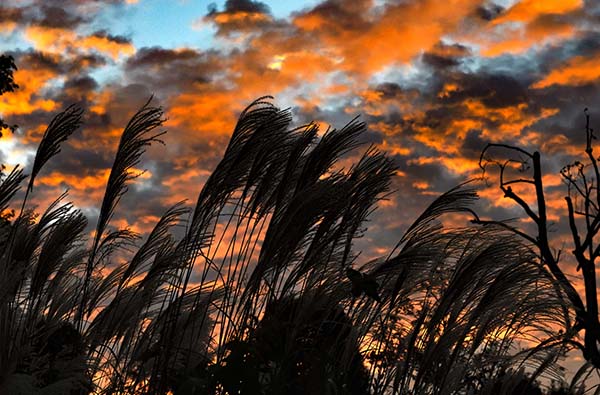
x: 119, y: 39
x: 167, y: 70
x: 52, y: 16
x: 38, y: 60
x: 73, y: 68
x: 494, y: 90
x: 571, y: 101
x: 82, y: 62
x: 71, y: 161
x: 42, y: 15
x: 59, y: 19
x: 439, y: 61
x: 28, y: 126
x: 587, y: 43
x: 442, y: 55
x: 339, y: 15
x: 124, y: 101
x: 157, y: 56
x: 488, y: 12
x: 78, y: 89
x: 239, y: 15
x: 233, y: 6
x: 64, y: 14
x: 389, y: 90
x: 11, y: 14
x: 472, y: 144
x: 436, y: 174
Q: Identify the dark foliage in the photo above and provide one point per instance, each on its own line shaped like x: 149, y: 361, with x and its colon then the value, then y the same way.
x: 7, y: 84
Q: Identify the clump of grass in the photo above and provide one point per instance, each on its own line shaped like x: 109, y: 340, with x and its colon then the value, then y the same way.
x: 263, y: 293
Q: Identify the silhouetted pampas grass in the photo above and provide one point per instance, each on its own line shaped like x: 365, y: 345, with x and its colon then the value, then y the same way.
x: 263, y: 293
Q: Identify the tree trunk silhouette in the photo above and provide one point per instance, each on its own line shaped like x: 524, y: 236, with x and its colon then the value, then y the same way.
x: 582, y: 181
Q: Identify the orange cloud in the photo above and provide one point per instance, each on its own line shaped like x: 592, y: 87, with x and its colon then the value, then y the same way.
x: 421, y: 185
x: 241, y: 17
x: 208, y: 113
x: 105, y: 45
x: 142, y: 224
x: 185, y: 182
x: 7, y: 27
x: 456, y: 164
x: 80, y: 181
x: 101, y: 102
x: 28, y: 97
x: 577, y: 71
x: 550, y: 144
x: 395, y: 36
x: 528, y: 10
x: 305, y: 65
x: 394, y: 149
x: 527, y: 24
x: 58, y: 40
x: 374, y: 102
x: 510, y: 120
x: 519, y: 38
x: 47, y: 39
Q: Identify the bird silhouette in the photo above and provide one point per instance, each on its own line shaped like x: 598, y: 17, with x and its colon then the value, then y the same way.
x: 363, y: 283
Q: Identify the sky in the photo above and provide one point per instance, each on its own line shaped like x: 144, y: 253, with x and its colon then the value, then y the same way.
x: 434, y: 81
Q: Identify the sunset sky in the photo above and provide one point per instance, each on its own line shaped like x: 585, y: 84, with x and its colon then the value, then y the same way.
x: 434, y: 80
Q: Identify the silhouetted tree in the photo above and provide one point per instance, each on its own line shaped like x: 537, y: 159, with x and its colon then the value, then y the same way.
x: 7, y: 84
x: 582, y: 210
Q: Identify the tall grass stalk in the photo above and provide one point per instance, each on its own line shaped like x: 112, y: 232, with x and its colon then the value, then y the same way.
x: 263, y: 291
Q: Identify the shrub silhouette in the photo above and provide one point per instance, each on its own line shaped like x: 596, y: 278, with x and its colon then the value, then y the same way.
x: 309, y: 345
x: 263, y: 293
